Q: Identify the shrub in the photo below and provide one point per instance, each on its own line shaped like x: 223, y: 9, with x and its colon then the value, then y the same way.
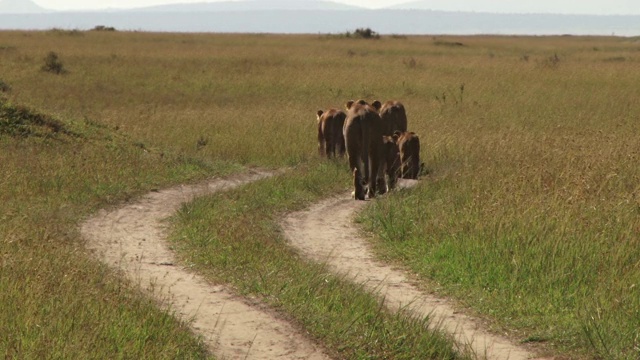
x: 103, y: 28
x: 361, y: 33
x: 366, y: 34
x: 4, y: 87
x: 410, y: 63
x: 53, y: 64
x: 551, y: 61
x: 202, y: 142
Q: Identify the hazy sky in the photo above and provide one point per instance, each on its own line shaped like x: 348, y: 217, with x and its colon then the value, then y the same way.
x: 101, y: 4
x: 601, y: 7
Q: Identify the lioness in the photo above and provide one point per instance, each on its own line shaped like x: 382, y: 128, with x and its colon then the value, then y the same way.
x: 409, y: 145
x: 363, y: 138
x: 394, y: 116
x: 391, y: 164
x: 330, y: 135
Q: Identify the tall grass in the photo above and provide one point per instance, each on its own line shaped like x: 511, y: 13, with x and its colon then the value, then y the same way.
x: 528, y: 213
x: 141, y: 115
x: 56, y: 301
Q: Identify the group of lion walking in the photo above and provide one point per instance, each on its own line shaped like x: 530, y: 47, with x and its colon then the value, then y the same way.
x: 375, y: 138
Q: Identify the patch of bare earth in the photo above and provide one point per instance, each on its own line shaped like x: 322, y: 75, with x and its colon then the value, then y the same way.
x: 326, y: 234
x: 132, y: 239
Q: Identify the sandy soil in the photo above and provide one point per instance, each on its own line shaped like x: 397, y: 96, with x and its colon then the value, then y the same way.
x: 325, y: 233
x: 132, y: 238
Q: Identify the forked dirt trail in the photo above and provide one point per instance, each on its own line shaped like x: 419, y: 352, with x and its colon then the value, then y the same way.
x: 325, y: 233
x: 132, y: 238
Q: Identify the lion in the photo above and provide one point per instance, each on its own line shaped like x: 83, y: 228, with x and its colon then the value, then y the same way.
x: 363, y: 138
x: 388, y: 172
x: 330, y: 135
x: 391, y: 164
x: 409, y: 145
x: 358, y: 185
x: 393, y: 116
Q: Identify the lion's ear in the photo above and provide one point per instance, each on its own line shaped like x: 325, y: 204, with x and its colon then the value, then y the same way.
x: 395, y: 137
x: 377, y: 104
x: 319, y: 113
x: 397, y: 133
x: 349, y: 104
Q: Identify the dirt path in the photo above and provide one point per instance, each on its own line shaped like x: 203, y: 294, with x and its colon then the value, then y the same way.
x: 324, y: 233
x: 132, y: 238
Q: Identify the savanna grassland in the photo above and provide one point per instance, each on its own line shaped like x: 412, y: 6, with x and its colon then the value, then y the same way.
x: 528, y: 214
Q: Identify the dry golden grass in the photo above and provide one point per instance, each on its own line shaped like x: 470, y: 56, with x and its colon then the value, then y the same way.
x: 530, y: 205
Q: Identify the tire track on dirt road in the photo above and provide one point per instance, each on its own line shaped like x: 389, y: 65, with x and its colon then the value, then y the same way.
x: 132, y: 238
x: 326, y: 234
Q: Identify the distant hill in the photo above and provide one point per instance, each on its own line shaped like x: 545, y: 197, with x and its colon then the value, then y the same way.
x: 251, y: 5
x: 19, y: 7
x: 313, y: 21
x: 587, y: 7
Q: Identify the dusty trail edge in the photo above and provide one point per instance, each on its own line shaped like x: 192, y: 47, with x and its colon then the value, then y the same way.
x: 325, y: 233
x: 132, y: 238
